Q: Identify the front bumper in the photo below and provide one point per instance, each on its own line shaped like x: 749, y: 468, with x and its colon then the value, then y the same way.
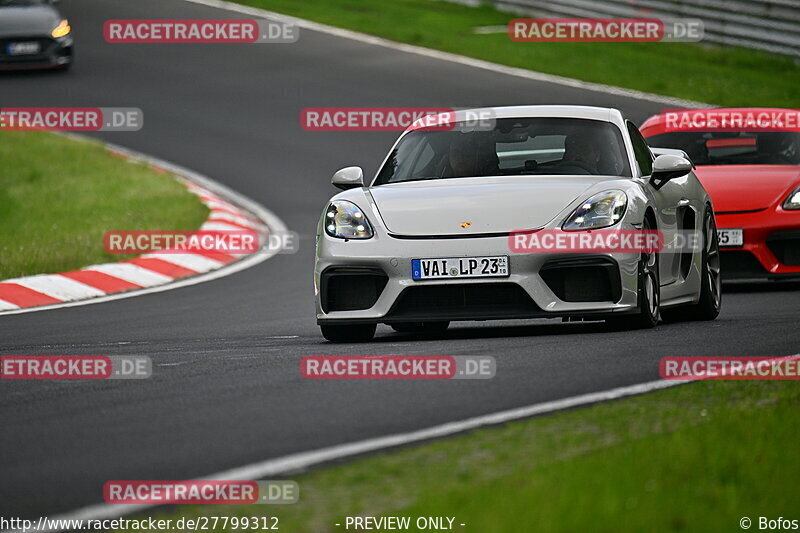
x: 771, y: 249
x: 535, y: 288
x: 54, y: 53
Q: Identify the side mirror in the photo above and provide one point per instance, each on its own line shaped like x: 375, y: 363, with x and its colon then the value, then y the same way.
x: 348, y: 178
x: 667, y: 167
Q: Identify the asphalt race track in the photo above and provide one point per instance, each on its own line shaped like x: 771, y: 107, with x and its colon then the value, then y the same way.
x: 226, y: 389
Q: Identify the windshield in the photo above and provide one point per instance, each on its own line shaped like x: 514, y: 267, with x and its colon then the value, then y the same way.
x: 16, y: 3
x: 738, y: 148
x: 513, y: 147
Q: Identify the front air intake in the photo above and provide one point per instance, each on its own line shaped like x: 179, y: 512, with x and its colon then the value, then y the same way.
x: 351, y: 288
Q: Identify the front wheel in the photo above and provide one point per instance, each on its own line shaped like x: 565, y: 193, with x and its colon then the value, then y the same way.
x: 649, y: 291
x: 710, y: 302
x: 349, y: 333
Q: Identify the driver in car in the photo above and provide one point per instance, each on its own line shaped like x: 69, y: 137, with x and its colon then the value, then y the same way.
x: 580, y: 151
x: 471, y: 154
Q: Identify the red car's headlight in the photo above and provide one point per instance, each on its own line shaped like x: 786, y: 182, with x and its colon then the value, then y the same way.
x: 793, y: 201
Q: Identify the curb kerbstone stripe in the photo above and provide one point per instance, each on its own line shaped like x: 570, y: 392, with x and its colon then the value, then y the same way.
x: 104, y: 282
x: 148, y: 270
x: 58, y: 287
x: 21, y: 296
x: 6, y: 306
x: 131, y: 273
x: 196, y: 262
x: 163, y: 267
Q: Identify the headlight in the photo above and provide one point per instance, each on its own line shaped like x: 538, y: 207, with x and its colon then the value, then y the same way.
x: 345, y: 220
x: 793, y: 201
x: 62, y: 29
x: 600, y: 211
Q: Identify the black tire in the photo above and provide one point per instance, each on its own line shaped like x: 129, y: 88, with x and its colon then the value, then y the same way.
x: 350, y: 333
x: 649, y: 291
x: 710, y: 302
x: 421, y: 327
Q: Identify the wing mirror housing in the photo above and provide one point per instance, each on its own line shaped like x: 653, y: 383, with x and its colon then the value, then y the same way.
x: 667, y: 167
x: 348, y: 178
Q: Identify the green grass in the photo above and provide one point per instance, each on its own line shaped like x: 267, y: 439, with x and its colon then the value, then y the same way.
x: 692, y: 458
x: 59, y: 196
x: 724, y: 76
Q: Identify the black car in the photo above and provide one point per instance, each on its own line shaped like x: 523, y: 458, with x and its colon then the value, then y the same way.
x: 33, y: 34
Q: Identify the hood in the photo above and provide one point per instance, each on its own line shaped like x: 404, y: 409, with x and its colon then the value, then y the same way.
x: 490, y: 205
x: 28, y: 21
x: 748, y: 187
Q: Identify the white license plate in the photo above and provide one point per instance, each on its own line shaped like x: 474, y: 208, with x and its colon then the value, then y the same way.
x: 731, y: 237
x: 23, y: 49
x: 460, y: 267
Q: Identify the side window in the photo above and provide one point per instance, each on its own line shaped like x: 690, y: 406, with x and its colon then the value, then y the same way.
x: 644, y: 157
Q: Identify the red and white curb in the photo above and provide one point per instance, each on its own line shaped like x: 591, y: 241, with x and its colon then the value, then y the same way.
x: 153, y: 272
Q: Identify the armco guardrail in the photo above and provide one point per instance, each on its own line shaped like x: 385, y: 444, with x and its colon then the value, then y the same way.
x: 771, y: 25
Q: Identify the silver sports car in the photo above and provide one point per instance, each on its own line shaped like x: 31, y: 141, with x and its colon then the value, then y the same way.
x: 429, y: 239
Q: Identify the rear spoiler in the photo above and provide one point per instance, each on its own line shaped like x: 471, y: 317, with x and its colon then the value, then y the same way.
x: 671, y: 151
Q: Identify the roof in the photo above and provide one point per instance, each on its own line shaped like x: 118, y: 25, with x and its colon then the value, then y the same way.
x: 605, y: 114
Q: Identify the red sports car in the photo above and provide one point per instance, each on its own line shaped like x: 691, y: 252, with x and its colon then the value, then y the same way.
x: 753, y: 177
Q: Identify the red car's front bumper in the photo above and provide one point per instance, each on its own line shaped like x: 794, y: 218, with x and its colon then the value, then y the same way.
x: 771, y: 247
